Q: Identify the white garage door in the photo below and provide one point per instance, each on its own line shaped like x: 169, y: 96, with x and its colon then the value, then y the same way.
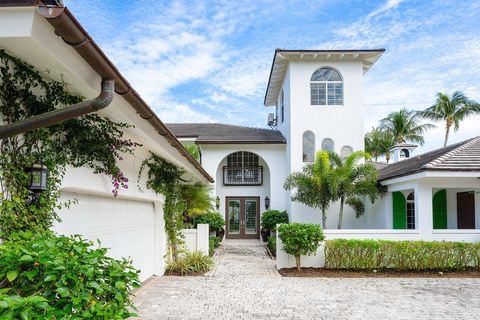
x: 126, y: 227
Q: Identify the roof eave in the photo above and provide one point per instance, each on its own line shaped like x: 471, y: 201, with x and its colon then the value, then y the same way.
x: 373, y: 56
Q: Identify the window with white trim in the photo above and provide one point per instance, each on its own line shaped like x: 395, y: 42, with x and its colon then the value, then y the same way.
x: 346, y: 151
x: 308, y: 144
x: 326, y: 87
x: 411, y: 211
x: 282, y: 106
x: 328, y: 145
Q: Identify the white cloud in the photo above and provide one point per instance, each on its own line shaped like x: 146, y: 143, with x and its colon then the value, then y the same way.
x: 390, y: 4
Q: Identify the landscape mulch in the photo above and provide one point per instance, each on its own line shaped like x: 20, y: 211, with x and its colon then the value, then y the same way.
x: 340, y: 273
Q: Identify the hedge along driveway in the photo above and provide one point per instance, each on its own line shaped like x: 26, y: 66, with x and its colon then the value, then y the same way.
x: 401, y: 255
x: 245, y: 285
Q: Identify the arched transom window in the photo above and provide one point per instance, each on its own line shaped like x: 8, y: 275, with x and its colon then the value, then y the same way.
x: 308, y: 141
x: 327, y: 144
x: 326, y: 87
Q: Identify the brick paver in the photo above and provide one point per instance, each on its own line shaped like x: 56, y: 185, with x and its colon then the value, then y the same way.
x: 246, y: 285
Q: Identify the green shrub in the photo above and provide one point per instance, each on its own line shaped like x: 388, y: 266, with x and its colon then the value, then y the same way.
x: 401, y: 255
x: 213, y: 242
x: 300, y: 239
x: 272, y: 245
x: 190, y: 262
x: 45, y: 276
x: 271, y: 218
x: 214, y: 219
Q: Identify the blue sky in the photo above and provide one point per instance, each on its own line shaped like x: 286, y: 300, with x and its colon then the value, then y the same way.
x: 208, y: 61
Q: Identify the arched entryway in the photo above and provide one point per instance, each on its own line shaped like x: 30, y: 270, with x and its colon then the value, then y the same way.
x: 243, y: 185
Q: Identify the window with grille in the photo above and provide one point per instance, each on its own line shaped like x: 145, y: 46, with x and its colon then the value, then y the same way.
x: 411, y: 211
x: 242, y: 169
x: 326, y: 87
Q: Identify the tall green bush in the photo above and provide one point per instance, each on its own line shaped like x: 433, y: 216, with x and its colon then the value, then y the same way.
x: 401, y: 255
x: 271, y: 218
x: 44, y: 276
x: 300, y: 239
x: 214, y: 220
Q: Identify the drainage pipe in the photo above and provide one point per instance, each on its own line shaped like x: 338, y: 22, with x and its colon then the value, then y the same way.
x: 59, y: 115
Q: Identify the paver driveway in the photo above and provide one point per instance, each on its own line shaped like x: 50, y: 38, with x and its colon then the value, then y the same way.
x: 245, y: 285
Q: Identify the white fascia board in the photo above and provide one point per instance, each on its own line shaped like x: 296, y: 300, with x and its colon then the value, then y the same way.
x: 36, y: 43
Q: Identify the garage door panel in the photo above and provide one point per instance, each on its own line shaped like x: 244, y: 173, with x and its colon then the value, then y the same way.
x: 125, y: 227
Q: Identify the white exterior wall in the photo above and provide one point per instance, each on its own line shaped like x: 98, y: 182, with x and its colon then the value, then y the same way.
x: 342, y: 124
x: 197, y: 239
x: 271, y: 158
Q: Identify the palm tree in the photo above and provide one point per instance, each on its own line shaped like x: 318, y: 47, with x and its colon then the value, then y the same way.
x: 378, y: 143
x: 405, y: 125
x: 194, y: 151
x: 351, y: 180
x: 451, y: 109
x: 195, y: 199
x: 312, y: 185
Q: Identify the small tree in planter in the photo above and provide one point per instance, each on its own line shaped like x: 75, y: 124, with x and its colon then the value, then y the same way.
x: 300, y: 239
x: 270, y: 219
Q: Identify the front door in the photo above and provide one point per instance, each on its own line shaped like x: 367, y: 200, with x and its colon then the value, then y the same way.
x: 466, y: 210
x: 243, y: 217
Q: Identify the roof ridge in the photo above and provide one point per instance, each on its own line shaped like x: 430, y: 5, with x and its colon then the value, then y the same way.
x: 461, y: 146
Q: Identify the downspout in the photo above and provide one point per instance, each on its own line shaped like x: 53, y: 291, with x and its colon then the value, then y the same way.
x: 56, y: 116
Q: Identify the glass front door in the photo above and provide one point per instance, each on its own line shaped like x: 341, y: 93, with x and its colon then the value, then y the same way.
x: 243, y: 217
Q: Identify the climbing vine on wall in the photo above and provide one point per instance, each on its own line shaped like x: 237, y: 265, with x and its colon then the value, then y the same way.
x: 90, y: 141
x: 166, y: 179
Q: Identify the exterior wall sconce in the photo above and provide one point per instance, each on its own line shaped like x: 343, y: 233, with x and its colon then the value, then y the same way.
x: 267, y: 202
x: 217, y: 202
x: 38, y: 178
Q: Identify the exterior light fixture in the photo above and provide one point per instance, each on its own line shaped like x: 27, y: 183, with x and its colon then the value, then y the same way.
x: 267, y: 202
x: 38, y: 178
x: 217, y: 202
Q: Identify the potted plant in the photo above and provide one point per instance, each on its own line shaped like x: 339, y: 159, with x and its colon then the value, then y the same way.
x: 270, y: 219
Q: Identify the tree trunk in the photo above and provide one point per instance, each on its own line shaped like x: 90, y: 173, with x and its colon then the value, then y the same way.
x: 324, y: 219
x: 340, y: 214
x: 387, y: 156
x: 449, y: 124
x: 297, y: 262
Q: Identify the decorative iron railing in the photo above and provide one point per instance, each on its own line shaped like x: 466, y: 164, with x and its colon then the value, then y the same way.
x: 243, y: 176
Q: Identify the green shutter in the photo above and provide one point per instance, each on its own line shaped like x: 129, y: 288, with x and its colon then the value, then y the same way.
x: 440, y: 210
x: 399, y: 211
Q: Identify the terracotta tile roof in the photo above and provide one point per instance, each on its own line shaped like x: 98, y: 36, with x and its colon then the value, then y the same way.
x: 217, y: 133
x: 462, y: 156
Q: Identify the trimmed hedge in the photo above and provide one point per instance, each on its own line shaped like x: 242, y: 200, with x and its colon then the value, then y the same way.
x: 272, y: 245
x: 401, y: 255
x: 271, y: 218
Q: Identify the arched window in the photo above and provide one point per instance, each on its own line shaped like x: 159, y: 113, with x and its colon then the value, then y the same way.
x: 327, y: 144
x: 404, y: 153
x: 411, y: 211
x: 308, y: 142
x: 345, y: 151
x: 282, y: 106
x: 326, y: 87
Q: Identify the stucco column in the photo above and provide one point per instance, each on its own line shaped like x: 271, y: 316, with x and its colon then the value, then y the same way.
x: 423, y: 210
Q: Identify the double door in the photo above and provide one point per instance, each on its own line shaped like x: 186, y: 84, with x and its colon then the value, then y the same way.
x: 243, y: 217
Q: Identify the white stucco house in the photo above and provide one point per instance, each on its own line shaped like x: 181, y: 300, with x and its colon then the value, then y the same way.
x: 131, y: 224
x: 316, y: 98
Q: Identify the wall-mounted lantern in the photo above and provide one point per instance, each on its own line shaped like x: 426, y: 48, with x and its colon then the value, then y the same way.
x: 217, y: 202
x: 267, y: 202
x: 38, y: 178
